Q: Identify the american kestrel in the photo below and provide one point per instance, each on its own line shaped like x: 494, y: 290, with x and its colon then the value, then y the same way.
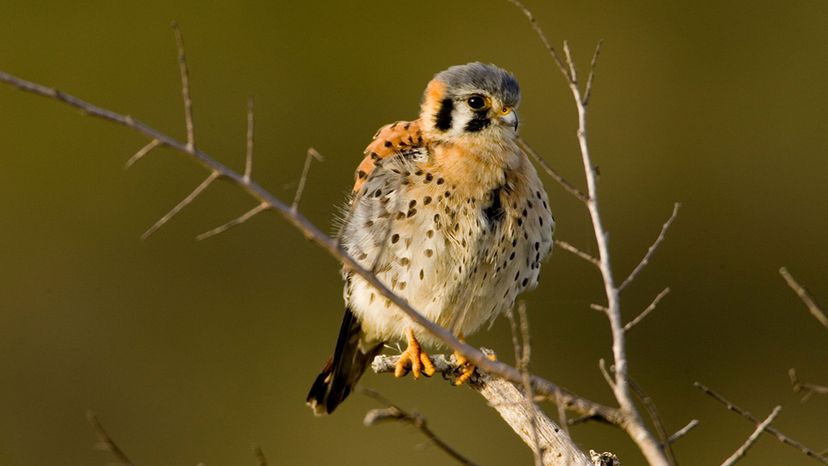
x: 449, y: 213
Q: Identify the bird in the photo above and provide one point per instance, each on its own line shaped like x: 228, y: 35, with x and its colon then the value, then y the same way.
x: 448, y: 213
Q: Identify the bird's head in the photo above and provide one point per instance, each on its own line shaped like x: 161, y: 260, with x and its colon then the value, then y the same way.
x: 474, y: 100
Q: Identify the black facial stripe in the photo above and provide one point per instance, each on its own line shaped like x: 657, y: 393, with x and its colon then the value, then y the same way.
x: 480, y: 121
x: 442, y: 120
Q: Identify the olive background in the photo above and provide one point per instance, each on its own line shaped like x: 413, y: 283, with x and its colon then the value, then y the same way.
x: 192, y: 351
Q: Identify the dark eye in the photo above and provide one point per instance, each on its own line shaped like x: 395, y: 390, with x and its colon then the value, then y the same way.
x: 476, y: 102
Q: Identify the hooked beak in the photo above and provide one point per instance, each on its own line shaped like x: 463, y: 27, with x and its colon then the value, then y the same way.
x: 509, y: 119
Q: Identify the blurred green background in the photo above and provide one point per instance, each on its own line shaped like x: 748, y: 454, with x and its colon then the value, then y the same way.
x: 193, y: 351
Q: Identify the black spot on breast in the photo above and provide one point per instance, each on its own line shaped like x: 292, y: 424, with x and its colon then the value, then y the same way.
x: 494, y: 213
x: 442, y: 120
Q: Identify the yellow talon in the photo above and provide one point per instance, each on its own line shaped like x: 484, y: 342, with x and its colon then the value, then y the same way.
x: 415, y: 359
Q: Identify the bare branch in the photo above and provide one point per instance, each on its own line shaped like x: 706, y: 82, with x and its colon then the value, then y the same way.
x: 808, y: 388
x: 544, y: 39
x: 332, y: 247
x: 573, y: 72
x: 742, y: 451
x: 142, y: 153
x: 683, y: 431
x: 583, y: 255
x: 184, y: 203
x: 105, y: 442
x: 776, y: 433
x: 806, y: 298
x: 647, y: 311
x: 261, y: 459
x: 185, y: 87
x: 394, y: 413
x: 312, y: 154
x: 232, y: 223
x: 527, y: 149
x: 248, y: 154
x: 592, y: 66
x: 646, y: 259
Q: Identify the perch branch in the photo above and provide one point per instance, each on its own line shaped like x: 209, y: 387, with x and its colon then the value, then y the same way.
x: 806, y: 298
x: 742, y: 451
x: 509, y: 401
x: 771, y: 430
x: 394, y: 413
x: 105, y: 442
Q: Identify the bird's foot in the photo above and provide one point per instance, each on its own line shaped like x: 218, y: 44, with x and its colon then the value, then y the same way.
x: 467, y: 368
x: 415, y: 359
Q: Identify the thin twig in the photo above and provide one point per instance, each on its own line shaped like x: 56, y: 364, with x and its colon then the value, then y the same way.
x: 312, y: 154
x: 583, y: 255
x: 742, y: 451
x: 181, y: 205
x: 544, y: 39
x: 683, y: 431
x: 523, y: 350
x: 142, y: 153
x: 232, y: 223
x: 806, y: 298
x: 248, y: 153
x: 808, y: 388
x: 646, y: 259
x: 261, y: 459
x: 646, y: 311
x: 776, y: 433
x: 302, y: 224
x: 527, y: 149
x: 185, y: 86
x: 105, y: 442
x: 394, y: 413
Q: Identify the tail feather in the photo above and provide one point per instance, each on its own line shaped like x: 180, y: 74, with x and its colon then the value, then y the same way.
x: 343, y: 370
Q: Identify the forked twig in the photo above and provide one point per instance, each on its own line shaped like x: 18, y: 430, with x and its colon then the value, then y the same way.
x: 771, y: 430
x: 655, y: 417
x: 394, y: 413
x: 105, y: 442
x: 250, y: 140
x: 806, y: 298
x: 646, y: 259
x: 544, y: 39
x: 742, y: 451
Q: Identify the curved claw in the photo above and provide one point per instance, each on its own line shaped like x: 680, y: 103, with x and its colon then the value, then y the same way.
x: 414, y: 359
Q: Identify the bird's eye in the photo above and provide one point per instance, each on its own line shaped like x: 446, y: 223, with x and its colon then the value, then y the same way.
x: 476, y: 102
x: 505, y: 110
